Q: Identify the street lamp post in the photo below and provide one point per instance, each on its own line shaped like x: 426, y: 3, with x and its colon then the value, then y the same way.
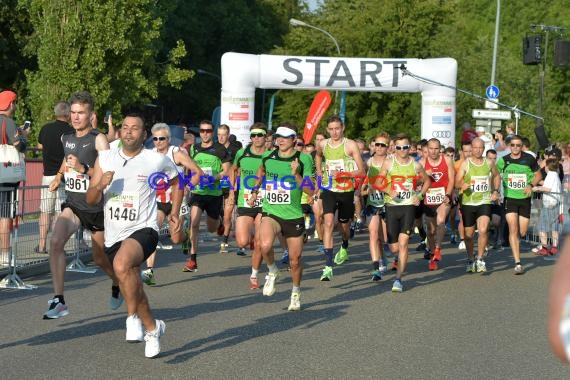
x: 295, y: 22
x: 204, y: 72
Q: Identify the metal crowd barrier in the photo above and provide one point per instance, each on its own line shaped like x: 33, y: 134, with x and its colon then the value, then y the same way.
x: 24, y: 238
x: 559, y: 225
x: 25, y: 234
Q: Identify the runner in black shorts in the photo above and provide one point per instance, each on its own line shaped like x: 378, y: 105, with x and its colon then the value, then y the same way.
x: 437, y: 201
x: 282, y: 212
x: 80, y: 151
x: 478, y: 180
x: 214, y: 160
x: 402, y: 173
x: 131, y: 228
x: 520, y: 174
x: 337, y: 162
x: 246, y: 163
x: 497, y: 211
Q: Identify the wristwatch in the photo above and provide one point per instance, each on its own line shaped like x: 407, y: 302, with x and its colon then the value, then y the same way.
x: 86, y: 168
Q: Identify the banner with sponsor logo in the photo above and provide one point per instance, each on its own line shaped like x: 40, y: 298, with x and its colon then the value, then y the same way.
x: 237, y: 112
x: 438, y: 119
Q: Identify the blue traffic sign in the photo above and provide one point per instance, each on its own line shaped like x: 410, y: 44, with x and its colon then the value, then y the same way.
x: 492, y: 92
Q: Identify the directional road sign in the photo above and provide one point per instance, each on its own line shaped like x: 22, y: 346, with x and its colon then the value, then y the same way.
x: 491, y: 114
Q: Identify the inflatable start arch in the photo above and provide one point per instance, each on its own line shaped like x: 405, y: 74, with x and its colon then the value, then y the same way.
x: 243, y: 73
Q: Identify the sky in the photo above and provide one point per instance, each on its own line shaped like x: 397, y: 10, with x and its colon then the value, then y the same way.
x: 313, y: 4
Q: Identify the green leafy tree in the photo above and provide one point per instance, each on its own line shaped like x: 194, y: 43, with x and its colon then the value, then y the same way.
x: 460, y: 29
x: 210, y: 29
x: 362, y: 28
x: 108, y: 47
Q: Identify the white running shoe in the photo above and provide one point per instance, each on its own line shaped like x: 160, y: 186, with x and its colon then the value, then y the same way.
x: 295, y: 304
x: 461, y: 245
x: 269, y: 286
x: 135, y: 331
x: 152, y: 339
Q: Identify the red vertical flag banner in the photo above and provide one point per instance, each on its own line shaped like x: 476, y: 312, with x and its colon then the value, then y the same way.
x: 318, y: 108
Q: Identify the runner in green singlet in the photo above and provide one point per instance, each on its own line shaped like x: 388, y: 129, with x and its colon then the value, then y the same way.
x: 283, y: 176
x: 479, y: 181
x: 334, y: 156
x: 247, y: 162
x: 520, y: 173
x: 402, y: 174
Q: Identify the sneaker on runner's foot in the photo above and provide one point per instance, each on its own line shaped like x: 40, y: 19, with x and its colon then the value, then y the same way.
x: 116, y: 299
x: 285, y: 257
x: 421, y: 247
x: 253, y: 283
x: 437, y: 254
x: 341, y: 256
x: 327, y: 274
x: 481, y: 266
x: 152, y: 339
x: 56, y: 309
x: 394, y: 265
x: 376, y: 275
x: 135, y: 331
x: 269, y: 286
x: 190, y: 266
x: 147, y: 276
x: 295, y: 304
x: 397, y: 287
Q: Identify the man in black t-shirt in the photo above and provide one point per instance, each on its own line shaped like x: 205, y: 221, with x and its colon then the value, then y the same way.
x: 49, y: 141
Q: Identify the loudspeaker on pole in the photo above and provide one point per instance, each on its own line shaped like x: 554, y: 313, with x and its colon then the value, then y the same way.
x: 562, y: 53
x: 540, y: 133
x: 532, y: 50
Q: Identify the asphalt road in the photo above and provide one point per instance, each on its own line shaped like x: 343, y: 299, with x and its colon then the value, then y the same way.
x: 446, y: 324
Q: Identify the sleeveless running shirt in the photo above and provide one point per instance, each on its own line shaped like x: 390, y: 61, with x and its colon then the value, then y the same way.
x: 336, y: 159
x: 479, y: 179
x: 248, y: 163
x: 76, y: 184
x: 401, y: 178
x: 163, y: 195
x: 439, y: 181
x: 129, y: 202
x: 375, y: 196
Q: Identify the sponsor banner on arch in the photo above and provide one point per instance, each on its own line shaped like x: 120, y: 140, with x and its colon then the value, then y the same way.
x: 238, y: 114
x: 438, y: 119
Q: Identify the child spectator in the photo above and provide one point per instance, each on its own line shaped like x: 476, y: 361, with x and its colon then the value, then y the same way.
x: 551, y: 212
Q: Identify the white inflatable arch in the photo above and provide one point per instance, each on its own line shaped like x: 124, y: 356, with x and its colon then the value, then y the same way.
x: 243, y: 73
